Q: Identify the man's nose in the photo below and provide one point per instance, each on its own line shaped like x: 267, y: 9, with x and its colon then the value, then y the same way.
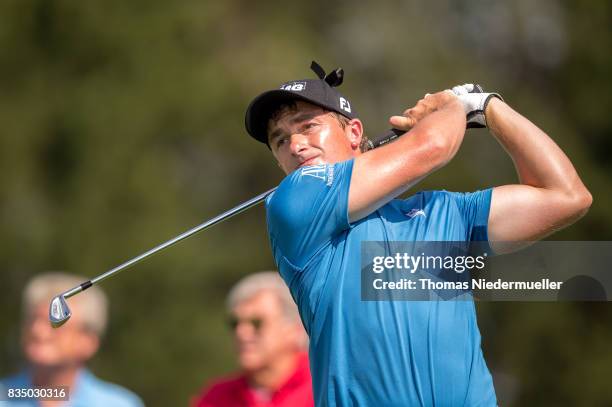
x: 298, y: 142
x: 244, y: 330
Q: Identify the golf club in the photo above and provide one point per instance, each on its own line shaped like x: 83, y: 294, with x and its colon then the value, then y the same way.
x: 59, y: 312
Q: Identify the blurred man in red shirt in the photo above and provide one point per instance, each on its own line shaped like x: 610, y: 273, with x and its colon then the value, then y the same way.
x: 271, y: 346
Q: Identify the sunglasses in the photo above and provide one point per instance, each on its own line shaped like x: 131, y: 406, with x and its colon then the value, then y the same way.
x: 256, y: 323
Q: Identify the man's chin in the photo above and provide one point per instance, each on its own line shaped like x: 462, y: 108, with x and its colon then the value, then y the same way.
x: 41, y: 359
x: 250, y: 362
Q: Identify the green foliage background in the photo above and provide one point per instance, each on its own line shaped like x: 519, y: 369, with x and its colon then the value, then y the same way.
x: 121, y: 125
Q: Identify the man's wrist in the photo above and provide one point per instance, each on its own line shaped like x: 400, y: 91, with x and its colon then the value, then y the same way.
x: 491, y: 109
x: 475, y: 101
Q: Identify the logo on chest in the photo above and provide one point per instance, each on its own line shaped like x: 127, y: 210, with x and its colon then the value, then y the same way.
x: 413, y: 213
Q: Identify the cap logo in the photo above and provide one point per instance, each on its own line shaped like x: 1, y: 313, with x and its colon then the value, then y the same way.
x: 345, y: 105
x: 294, y: 86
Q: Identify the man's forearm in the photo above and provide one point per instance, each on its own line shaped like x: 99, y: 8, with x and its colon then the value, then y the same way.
x: 551, y: 195
x: 538, y: 160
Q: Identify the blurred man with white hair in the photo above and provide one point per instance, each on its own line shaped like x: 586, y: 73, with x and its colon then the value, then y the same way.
x: 271, y: 345
x: 56, y: 358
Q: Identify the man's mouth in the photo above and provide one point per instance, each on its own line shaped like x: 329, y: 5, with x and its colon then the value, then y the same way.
x: 309, y: 161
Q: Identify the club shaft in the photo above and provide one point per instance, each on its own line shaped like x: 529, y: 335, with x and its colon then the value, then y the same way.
x: 375, y: 142
x: 211, y: 222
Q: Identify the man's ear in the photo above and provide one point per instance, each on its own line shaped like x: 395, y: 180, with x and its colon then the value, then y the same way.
x: 355, y: 132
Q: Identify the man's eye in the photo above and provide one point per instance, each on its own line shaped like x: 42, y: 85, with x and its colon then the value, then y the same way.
x: 309, y: 126
x: 280, y: 141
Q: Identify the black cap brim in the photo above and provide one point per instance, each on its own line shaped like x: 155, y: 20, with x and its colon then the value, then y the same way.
x: 263, y: 106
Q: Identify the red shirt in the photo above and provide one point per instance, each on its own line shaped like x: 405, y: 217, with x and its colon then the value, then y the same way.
x: 235, y: 391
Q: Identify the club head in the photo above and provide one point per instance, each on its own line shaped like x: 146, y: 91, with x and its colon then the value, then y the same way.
x: 59, y: 312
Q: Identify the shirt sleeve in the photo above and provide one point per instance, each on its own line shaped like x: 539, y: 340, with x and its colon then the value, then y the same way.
x: 474, y: 209
x: 308, y: 209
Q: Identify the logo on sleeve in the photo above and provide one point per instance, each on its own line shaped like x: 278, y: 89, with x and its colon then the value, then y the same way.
x: 316, y: 171
x: 323, y: 172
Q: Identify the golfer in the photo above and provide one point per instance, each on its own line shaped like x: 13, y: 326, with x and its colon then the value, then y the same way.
x: 336, y: 195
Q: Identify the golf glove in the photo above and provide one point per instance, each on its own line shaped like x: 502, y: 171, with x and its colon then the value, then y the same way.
x: 475, y: 101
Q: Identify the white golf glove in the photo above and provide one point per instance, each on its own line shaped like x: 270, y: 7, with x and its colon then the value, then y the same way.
x: 475, y: 101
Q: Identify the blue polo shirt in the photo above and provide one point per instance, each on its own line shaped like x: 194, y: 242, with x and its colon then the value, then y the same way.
x: 89, y: 391
x: 377, y: 353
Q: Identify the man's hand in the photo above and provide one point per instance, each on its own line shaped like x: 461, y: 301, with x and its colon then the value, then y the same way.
x: 429, y: 104
x: 475, y: 101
